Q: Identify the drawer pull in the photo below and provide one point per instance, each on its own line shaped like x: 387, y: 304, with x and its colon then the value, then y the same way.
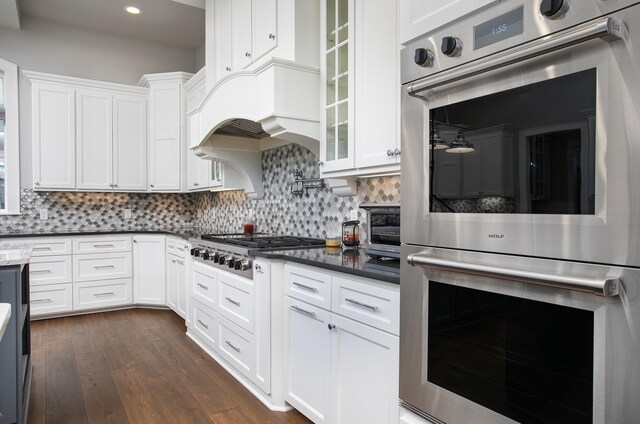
x: 203, y: 324
x: 235, y: 302
x: 302, y: 286
x: 364, y: 305
x: 104, y: 245
x: 237, y: 349
x: 104, y: 266
x: 303, y: 311
x: 203, y: 286
x: 180, y: 262
x: 104, y: 294
x: 42, y: 248
x: 41, y: 271
x: 41, y: 300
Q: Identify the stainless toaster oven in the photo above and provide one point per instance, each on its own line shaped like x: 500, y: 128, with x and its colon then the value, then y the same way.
x: 383, y: 230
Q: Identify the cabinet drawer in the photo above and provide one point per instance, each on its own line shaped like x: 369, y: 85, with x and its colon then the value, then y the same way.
x: 236, y: 346
x: 100, y: 294
x: 103, y: 244
x: 205, y: 287
x: 308, y: 285
x: 235, y: 304
x: 205, y: 325
x: 45, y: 270
x: 49, y: 246
x: 101, y: 267
x: 370, y: 303
x: 51, y: 299
x: 178, y: 247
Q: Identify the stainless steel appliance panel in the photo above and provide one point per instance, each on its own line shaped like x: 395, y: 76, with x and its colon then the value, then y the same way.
x: 616, y: 335
x: 611, y: 234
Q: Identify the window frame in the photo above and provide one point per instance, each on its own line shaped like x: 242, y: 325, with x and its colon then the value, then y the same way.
x: 9, y: 71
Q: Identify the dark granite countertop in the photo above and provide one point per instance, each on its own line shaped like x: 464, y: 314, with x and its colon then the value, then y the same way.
x: 184, y: 233
x: 335, y: 259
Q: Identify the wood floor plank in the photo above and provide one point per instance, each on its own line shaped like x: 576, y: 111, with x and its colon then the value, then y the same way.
x: 231, y: 416
x: 175, y: 400
x: 137, y: 400
x: 101, y: 398
x: 64, y: 395
x: 38, y: 399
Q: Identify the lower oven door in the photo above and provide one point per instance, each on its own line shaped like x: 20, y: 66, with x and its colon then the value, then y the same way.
x: 479, y: 346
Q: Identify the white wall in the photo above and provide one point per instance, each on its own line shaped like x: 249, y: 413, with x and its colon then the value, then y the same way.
x: 200, y: 57
x: 58, y: 49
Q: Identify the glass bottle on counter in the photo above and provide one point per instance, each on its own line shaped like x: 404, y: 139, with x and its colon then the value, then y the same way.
x: 351, y: 234
x: 248, y: 227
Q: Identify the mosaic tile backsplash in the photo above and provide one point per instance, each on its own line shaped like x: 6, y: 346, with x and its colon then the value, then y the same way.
x: 318, y: 213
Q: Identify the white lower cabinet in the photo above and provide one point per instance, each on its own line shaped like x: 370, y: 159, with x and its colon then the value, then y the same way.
x: 172, y: 282
x: 236, y: 346
x: 149, y: 278
x: 177, y: 271
x: 307, y: 359
x: 49, y: 299
x: 342, y: 364
x: 102, y: 294
x: 205, y: 324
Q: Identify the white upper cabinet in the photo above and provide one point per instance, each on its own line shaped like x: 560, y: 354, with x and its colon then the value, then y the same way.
x: 54, y: 136
x: 168, y: 138
x: 244, y: 31
x: 418, y: 17
x: 130, y: 143
x: 94, y: 153
x: 88, y: 135
x: 360, y: 69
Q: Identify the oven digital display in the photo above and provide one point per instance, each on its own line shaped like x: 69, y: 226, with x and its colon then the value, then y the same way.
x: 498, y: 29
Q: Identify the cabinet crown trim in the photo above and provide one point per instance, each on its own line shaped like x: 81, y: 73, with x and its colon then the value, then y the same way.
x: 33, y: 76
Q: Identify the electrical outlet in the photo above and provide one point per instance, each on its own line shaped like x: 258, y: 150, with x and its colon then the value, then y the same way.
x: 127, y: 214
x: 44, y: 214
x: 353, y: 214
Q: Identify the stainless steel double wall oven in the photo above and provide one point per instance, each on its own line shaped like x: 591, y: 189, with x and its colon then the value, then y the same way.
x: 521, y: 215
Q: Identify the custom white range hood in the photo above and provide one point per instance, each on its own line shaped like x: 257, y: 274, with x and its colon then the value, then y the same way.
x: 251, y: 111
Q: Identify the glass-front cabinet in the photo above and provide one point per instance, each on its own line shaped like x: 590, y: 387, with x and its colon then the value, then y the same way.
x: 338, y: 76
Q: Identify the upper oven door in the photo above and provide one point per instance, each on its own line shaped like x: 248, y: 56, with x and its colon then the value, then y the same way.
x: 547, y: 145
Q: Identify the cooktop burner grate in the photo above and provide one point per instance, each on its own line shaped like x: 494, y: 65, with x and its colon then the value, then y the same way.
x: 263, y: 241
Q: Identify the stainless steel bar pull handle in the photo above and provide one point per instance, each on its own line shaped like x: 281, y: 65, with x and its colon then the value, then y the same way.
x: 203, y: 286
x: 235, y: 302
x: 364, y: 305
x: 599, y: 286
x: 103, y: 245
x: 104, y: 294
x: 203, y: 324
x: 40, y: 300
x: 237, y: 349
x: 42, y: 248
x: 303, y: 311
x: 303, y: 286
x: 40, y: 271
x: 104, y: 266
x: 607, y: 28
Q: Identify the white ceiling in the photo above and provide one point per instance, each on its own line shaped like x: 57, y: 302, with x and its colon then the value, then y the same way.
x: 164, y: 21
x: 9, y: 14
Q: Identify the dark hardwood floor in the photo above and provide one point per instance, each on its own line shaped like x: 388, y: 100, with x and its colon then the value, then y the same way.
x: 134, y: 366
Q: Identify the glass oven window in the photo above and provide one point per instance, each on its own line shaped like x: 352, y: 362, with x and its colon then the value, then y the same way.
x: 385, y: 228
x: 529, y: 361
x: 528, y: 150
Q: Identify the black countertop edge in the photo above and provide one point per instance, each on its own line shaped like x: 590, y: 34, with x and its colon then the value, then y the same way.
x: 183, y: 234
x: 294, y: 255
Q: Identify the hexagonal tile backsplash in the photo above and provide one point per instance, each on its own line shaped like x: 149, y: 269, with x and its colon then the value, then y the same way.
x: 318, y: 213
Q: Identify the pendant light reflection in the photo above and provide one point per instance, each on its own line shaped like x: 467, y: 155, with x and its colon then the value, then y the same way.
x: 437, y: 142
x: 460, y: 145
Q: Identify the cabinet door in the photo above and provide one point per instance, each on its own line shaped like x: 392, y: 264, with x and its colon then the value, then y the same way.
x: 419, y: 17
x: 364, y: 374
x: 241, y: 33
x: 54, y: 137
x: 130, y: 143
x: 94, y: 152
x: 172, y: 283
x: 492, y: 169
x: 262, y: 329
x: 376, y: 92
x: 472, y: 168
x: 181, y: 297
x: 165, y: 144
x: 307, y: 352
x: 448, y: 174
x: 264, y: 27
x: 149, y: 279
x: 222, y: 39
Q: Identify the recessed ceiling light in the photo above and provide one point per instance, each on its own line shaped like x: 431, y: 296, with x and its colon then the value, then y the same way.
x: 132, y: 9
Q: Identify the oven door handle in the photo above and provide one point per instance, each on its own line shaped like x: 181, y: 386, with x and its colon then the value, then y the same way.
x: 608, y: 287
x: 606, y: 28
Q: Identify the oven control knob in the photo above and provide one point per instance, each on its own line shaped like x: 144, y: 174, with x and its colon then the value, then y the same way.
x: 215, y: 256
x: 228, y: 261
x: 205, y: 255
x: 451, y: 46
x: 221, y: 259
x: 243, y: 265
x: 553, y: 9
x: 195, y: 252
x: 424, y: 57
